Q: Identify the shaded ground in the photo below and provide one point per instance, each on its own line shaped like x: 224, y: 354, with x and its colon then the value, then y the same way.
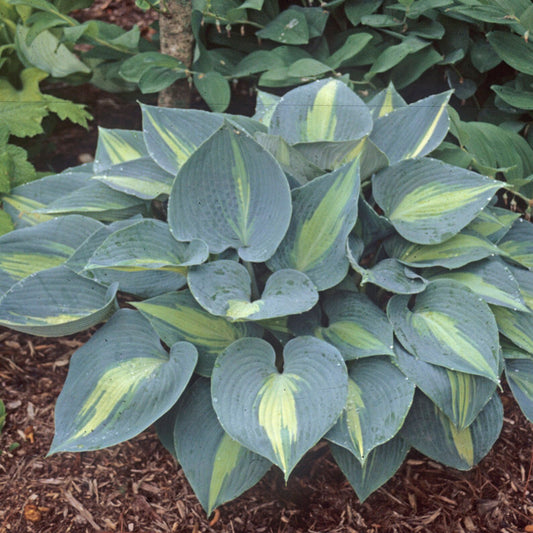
x: 137, y: 487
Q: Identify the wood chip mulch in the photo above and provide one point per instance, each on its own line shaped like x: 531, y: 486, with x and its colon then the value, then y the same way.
x: 137, y: 487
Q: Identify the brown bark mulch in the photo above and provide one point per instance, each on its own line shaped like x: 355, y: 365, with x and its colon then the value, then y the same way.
x: 137, y: 487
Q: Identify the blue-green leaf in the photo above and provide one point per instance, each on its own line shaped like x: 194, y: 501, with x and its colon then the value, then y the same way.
x: 519, y: 374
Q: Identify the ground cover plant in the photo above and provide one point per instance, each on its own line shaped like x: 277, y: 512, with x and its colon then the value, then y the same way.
x: 311, y: 274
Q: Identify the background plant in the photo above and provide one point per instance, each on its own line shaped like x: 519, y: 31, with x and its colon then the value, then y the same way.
x: 317, y: 276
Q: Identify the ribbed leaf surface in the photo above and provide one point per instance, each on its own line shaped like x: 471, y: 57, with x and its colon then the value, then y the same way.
x: 117, y: 146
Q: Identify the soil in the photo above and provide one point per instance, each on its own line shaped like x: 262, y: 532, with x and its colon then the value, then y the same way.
x: 137, y: 486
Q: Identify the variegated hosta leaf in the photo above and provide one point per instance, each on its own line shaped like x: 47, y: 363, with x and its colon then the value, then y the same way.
x: 324, y: 213
x: 147, y: 245
x: 428, y: 201
x: 388, y: 274
x: 460, y: 396
x: 519, y: 374
x: 450, y: 327
x: 326, y: 110
x: 35, y: 248
x: 357, y: 327
x: 466, y: 247
x: 518, y: 243
x: 265, y: 105
x: 279, y: 415
x: 432, y: 433
x: 379, y: 398
x: 382, y: 463
x: 515, y: 325
x: 493, y: 223
x: 414, y: 130
x: 172, y: 135
x: 250, y: 207
x: 98, y: 201
x: 118, y: 384
x: 22, y: 202
x: 218, y: 468
x: 141, y: 178
x: 56, y: 302
x: 370, y: 226
x: 176, y: 316
x: 525, y: 282
x: 491, y: 279
x: 117, y: 146
x: 224, y: 288
x: 385, y: 102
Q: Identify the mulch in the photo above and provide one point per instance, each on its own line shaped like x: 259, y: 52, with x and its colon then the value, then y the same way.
x: 137, y: 486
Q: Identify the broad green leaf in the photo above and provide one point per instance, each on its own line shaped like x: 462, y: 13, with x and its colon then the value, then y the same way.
x: 324, y: 213
x: 493, y: 223
x: 385, y: 102
x: 98, y: 201
x: 516, y: 326
x: 118, y: 384
x: 289, y: 27
x: 224, y: 288
x: 176, y: 316
x: 411, y: 69
x: 352, y: 46
x: 135, y: 67
x: 518, y: 243
x: 326, y: 110
x: 117, y: 146
x: 460, y: 396
x: 172, y: 135
x: 35, y: 248
x: 307, y: 68
x: 214, y: 89
x: 514, y: 50
x: 379, y: 398
x: 56, y: 302
x: 432, y: 433
x: 248, y: 210
x: 357, y: 327
x: 428, y: 201
x: 147, y: 245
x: 423, y: 126
x: 141, y: 178
x: 517, y: 98
x: 519, y: 374
x: 156, y: 79
x: 448, y: 326
x: 381, y: 465
x: 466, y: 247
x: 279, y: 415
x: 356, y: 10
x: 490, y: 279
x: 217, y: 467
x: 525, y: 282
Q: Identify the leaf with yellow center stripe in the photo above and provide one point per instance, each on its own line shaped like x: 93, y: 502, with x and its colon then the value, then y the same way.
x: 172, y: 135
x: 518, y: 243
x: 519, y: 373
x: 450, y: 327
x: 525, y: 282
x: 279, y: 415
x: 117, y: 146
x: 224, y: 289
x: 459, y: 395
x: 119, y: 384
x: 493, y: 222
x: 385, y: 102
x: 516, y: 326
x: 324, y: 213
x: 429, y: 201
x: 218, y: 468
x: 381, y: 465
x: 176, y: 316
x: 379, y: 398
x: 250, y: 207
x: 414, y: 130
x: 357, y: 327
x: 35, y: 248
x: 432, y: 433
x: 56, y: 302
x: 325, y: 110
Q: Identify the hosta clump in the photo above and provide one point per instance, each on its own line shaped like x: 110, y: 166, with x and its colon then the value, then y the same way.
x: 317, y: 276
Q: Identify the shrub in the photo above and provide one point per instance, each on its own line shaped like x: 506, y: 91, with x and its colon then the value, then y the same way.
x: 317, y: 276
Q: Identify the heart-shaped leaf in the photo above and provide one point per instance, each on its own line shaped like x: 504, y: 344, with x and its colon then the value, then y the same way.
x: 250, y: 207
x: 118, y: 384
x: 279, y: 415
x: 224, y: 289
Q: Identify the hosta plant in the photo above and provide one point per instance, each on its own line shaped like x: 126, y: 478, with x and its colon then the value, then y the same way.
x: 310, y: 273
